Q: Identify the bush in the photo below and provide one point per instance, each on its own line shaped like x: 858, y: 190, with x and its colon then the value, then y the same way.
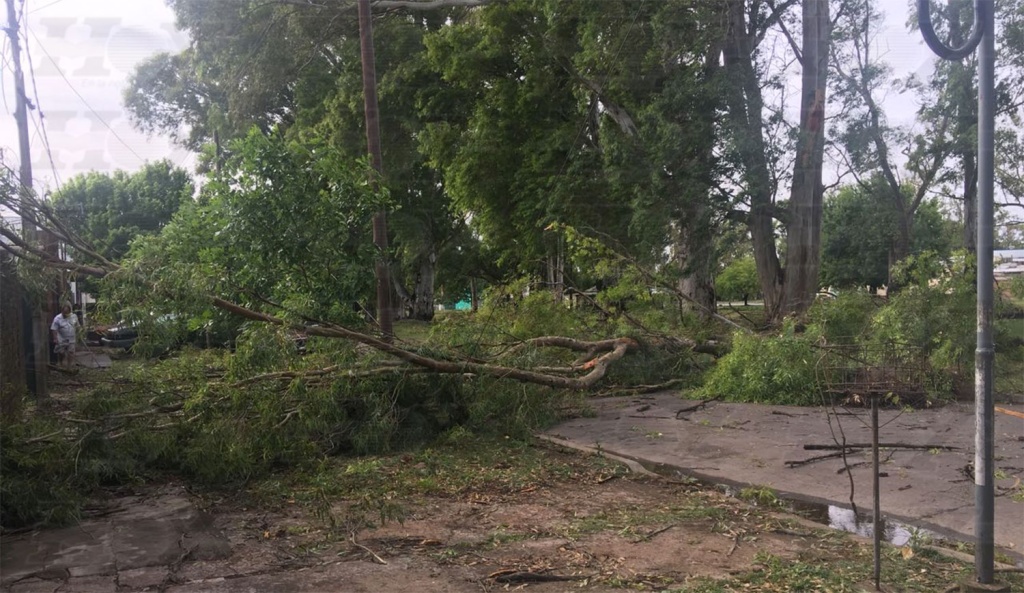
x: 844, y: 319
x: 779, y: 369
x: 38, y: 484
x: 933, y: 313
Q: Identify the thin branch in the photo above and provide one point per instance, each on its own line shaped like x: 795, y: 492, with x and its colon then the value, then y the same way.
x: 430, y: 4
x: 777, y: 16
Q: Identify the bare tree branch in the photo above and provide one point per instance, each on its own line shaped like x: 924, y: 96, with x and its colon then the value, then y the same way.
x: 777, y: 16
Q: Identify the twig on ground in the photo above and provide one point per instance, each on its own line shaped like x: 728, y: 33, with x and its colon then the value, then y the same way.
x: 378, y: 559
x: 814, y: 447
x: 648, y: 537
x: 809, y: 460
x: 532, y: 577
x: 849, y: 466
x: 45, y: 437
x: 701, y: 405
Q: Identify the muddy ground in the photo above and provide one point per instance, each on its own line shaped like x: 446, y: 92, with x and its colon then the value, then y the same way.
x: 594, y: 529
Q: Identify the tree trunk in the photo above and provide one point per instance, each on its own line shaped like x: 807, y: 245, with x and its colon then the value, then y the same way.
x: 803, y: 247
x: 372, y: 119
x: 556, y: 272
x: 694, y: 253
x: 423, y: 291
x: 699, y: 282
x: 744, y: 107
x: 694, y: 229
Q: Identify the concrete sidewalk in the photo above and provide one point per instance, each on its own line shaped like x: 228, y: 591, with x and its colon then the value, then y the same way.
x: 136, y: 544
x: 749, y: 444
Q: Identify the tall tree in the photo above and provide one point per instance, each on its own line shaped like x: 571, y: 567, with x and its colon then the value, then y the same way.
x: 657, y: 137
x: 570, y: 116
x: 948, y: 116
x: 788, y: 288
x: 295, y: 69
x: 520, y: 152
x: 865, y: 134
x: 109, y: 210
x: 860, y: 227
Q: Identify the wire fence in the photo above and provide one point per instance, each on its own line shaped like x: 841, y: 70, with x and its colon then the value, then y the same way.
x: 898, y: 373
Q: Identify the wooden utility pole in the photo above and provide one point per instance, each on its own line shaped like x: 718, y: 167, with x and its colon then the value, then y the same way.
x: 40, y: 334
x: 372, y: 116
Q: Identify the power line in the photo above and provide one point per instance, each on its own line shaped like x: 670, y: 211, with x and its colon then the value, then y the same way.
x: 45, y: 6
x: 39, y: 109
x: 84, y: 102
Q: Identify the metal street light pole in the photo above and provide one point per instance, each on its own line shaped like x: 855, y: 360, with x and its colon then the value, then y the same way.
x: 983, y: 37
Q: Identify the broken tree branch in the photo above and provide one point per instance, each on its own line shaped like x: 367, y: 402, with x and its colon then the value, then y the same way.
x: 809, y: 460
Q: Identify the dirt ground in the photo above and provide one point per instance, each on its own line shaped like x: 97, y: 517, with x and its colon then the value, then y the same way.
x: 596, y: 533
x: 596, y: 528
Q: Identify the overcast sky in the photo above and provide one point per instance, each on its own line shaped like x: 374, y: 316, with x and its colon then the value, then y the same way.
x: 84, y: 50
x: 82, y: 53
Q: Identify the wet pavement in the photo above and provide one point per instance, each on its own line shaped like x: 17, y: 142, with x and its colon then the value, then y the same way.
x: 740, y: 445
x: 138, y: 542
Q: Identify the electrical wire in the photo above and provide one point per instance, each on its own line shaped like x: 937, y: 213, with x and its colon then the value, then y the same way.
x: 84, y: 102
x: 45, y: 6
x: 41, y: 124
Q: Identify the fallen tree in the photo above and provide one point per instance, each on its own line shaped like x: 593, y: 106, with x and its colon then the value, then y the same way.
x: 174, y: 282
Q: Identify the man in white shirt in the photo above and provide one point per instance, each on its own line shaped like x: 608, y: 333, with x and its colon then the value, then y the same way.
x: 64, y: 331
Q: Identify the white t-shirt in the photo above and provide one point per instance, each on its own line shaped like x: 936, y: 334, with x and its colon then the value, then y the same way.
x: 65, y: 327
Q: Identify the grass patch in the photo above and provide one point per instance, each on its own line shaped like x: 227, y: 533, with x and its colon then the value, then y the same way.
x: 459, y: 465
x: 840, y: 565
x: 636, y: 522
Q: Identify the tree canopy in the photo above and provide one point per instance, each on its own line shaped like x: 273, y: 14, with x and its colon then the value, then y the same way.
x: 652, y: 126
x: 109, y: 210
x: 860, y: 231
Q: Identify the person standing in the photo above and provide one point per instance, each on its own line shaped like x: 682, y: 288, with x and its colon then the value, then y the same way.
x: 64, y: 331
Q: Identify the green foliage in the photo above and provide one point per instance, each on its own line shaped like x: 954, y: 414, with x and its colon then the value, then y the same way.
x: 738, y: 280
x: 860, y: 228
x: 37, y: 484
x: 844, y: 319
x: 222, y: 419
x: 934, y: 312
x: 929, y: 323
x: 285, y: 222
x: 775, y: 369
x: 533, y: 315
x: 110, y: 210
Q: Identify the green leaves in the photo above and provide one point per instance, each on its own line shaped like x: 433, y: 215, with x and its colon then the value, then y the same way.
x: 285, y: 224
x: 860, y: 227
x: 109, y: 210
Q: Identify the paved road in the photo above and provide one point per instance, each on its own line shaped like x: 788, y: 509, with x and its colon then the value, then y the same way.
x: 748, y: 444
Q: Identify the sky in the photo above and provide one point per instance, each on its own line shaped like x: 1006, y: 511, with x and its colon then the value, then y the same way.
x: 83, y: 52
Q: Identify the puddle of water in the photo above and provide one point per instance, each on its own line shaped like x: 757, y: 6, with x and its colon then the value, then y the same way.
x: 844, y: 519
